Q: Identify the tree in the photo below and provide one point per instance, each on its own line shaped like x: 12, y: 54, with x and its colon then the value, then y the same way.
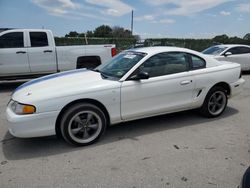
x: 103, y: 31
x: 72, y: 34
x: 89, y: 33
x: 221, y: 38
x: 247, y: 36
x: 121, y: 32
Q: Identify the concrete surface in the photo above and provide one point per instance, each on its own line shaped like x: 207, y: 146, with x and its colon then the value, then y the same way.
x: 176, y: 150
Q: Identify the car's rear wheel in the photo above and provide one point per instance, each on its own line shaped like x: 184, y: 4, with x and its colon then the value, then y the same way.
x: 215, y: 102
x: 83, y: 124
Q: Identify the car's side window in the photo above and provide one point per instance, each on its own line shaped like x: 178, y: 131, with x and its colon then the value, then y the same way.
x: 197, y: 62
x: 234, y: 50
x: 165, y: 63
x: 239, y: 50
x: 38, y: 39
x: 12, y: 40
x: 244, y: 50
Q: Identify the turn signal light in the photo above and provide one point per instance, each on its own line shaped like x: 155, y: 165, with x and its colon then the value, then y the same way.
x: 27, y: 109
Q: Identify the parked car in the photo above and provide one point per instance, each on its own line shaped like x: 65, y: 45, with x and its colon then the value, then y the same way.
x: 231, y: 52
x: 135, y: 84
x: 26, y: 53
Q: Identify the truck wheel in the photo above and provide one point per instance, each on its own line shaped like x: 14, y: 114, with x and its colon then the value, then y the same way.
x: 215, y: 102
x: 83, y: 124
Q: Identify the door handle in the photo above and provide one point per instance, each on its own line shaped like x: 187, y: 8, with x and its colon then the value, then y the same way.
x: 20, y: 52
x: 186, y: 82
x: 45, y: 51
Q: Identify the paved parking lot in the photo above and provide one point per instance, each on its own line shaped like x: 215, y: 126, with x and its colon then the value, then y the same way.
x: 176, y: 150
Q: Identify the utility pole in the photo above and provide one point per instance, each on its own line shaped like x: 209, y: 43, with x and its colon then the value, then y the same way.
x: 132, y: 22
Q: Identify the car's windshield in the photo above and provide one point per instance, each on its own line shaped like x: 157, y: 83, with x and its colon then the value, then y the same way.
x: 120, y: 64
x: 214, y: 50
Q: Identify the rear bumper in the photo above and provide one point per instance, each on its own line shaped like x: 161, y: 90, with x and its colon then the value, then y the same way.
x: 236, y: 87
x: 34, y: 125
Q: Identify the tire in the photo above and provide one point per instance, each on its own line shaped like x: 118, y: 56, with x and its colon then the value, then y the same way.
x: 83, y: 124
x: 214, y: 103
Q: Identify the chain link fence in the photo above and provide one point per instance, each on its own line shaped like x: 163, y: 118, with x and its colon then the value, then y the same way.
x: 126, y: 43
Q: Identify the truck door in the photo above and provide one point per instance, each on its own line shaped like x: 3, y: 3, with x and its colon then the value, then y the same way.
x: 13, y: 54
x: 42, y: 55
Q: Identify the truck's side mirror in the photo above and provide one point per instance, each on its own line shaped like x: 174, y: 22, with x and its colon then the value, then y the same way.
x: 227, y: 54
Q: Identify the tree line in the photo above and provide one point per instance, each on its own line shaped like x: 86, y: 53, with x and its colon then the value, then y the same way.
x: 104, y: 31
x: 124, y: 39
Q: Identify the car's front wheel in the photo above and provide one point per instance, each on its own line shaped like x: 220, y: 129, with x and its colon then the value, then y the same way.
x: 215, y: 102
x: 83, y: 124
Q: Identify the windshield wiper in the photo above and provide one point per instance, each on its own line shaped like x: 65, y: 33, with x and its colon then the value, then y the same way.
x: 103, y: 75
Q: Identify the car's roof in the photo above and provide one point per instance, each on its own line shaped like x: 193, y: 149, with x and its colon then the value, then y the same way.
x: 159, y: 49
x: 232, y: 45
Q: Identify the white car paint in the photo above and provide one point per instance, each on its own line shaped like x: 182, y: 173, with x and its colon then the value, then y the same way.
x: 28, y: 60
x: 243, y: 58
x: 124, y: 100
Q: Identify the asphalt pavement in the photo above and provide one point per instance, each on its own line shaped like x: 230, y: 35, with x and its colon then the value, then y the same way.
x: 176, y: 150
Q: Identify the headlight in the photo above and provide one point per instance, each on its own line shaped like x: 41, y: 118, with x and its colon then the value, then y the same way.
x: 21, y: 109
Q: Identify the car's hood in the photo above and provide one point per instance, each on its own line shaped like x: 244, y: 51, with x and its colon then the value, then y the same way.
x: 62, y: 84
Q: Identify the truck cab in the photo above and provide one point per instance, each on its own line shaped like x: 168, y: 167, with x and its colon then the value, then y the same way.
x: 32, y: 52
x: 27, y: 52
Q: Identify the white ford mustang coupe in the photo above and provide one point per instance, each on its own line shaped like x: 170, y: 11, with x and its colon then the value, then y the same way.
x: 78, y: 105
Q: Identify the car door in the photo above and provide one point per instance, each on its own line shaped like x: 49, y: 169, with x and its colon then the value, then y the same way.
x: 42, y: 55
x: 240, y: 54
x: 13, y: 54
x: 169, y: 87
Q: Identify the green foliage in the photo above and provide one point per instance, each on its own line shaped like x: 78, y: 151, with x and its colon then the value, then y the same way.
x: 196, y: 44
x: 72, y: 34
x: 103, y: 31
x: 123, y: 39
x: 121, y: 32
x: 121, y: 43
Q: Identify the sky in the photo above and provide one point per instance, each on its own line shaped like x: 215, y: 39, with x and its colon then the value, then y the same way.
x: 152, y: 18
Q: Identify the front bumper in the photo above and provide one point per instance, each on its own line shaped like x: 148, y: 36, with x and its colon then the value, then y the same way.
x: 236, y: 87
x: 33, y: 125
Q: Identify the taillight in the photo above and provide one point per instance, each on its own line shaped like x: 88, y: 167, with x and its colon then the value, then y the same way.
x: 113, y: 52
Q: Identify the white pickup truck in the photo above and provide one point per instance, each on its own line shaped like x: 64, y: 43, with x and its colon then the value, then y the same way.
x: 26, y: 53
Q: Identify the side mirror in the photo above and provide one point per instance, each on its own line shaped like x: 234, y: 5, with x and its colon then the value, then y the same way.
x: 140, y: 76
x: 227, y: 54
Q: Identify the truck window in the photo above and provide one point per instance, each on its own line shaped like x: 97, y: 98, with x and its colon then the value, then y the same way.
x: 38, y: 39
x: 12, y: 40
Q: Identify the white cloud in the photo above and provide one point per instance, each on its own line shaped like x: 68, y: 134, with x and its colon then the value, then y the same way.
x: 154, y: 19
x: 245, y: 7
x: 90, y: 8
x: 112, y: 7
x: 186, y: 7
x: 68, y: 4
x: 56, y: 7
x: 68, y: 9
x: 148, y: 17
x: 166, y: 21
x: 225, y: 13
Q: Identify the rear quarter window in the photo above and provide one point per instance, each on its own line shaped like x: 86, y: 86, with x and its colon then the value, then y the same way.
x: 197, y: 62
